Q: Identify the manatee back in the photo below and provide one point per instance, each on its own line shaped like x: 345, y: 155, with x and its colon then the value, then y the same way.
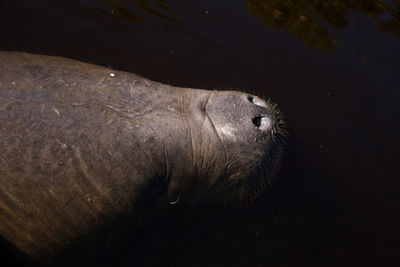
x: 68, y: 162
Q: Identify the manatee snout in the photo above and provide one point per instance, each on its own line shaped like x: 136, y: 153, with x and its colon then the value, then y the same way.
x: 253, y: 134
x: 243, y: 116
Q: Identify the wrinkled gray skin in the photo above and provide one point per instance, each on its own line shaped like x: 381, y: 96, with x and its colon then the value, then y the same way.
x: 82, y: 143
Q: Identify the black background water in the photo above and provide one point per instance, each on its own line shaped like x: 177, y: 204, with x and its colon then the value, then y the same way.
x: 332, y: 66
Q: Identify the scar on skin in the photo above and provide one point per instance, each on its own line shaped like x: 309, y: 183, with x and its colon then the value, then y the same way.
x: 56, y: 111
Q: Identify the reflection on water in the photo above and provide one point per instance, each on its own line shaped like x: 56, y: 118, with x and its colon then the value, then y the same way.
x: 127, y: 10
x: 307, y: 20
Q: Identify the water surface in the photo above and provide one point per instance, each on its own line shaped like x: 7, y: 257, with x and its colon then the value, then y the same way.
x: 333, y: 68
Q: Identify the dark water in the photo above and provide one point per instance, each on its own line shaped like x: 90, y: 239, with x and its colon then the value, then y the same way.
x: 334, y: 69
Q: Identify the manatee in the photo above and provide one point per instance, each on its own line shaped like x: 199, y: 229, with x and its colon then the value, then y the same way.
x: 83, y: 147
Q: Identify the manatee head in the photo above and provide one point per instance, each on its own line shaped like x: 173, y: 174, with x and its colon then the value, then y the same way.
x: 216, y: 146
x: 252, y: 133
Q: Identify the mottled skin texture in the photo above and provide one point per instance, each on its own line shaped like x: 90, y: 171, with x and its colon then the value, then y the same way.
x: 81, y: 144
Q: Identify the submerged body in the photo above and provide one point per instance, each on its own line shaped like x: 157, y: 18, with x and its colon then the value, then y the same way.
x: 82, y: 145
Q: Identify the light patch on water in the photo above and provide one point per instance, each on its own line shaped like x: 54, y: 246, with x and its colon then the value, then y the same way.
x: 175, y: 202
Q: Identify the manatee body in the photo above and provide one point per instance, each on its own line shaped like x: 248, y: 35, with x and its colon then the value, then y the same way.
x: 83, y: 146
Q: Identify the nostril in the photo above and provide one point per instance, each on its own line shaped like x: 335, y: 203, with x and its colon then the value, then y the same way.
x: 257, y: 101
x: 257, y: 121
x: 262, y: 122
